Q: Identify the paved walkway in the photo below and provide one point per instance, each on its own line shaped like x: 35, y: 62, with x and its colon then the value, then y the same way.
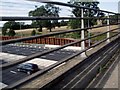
x: 114, y: 79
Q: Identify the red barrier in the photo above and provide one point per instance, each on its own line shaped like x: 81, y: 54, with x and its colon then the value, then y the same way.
x: 46, y: 40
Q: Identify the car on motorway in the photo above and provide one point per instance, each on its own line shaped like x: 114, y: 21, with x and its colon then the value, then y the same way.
x: 29, y: 68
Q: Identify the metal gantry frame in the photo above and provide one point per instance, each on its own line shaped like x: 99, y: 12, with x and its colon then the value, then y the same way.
x: 82, y: 41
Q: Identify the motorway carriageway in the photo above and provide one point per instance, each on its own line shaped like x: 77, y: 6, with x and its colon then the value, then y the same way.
x: 13, y: 52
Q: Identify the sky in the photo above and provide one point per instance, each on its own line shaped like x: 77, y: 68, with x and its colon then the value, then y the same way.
x: 22, y: 7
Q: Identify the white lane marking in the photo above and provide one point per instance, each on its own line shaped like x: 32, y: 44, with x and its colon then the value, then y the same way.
x: 51, y: 54
x: 13, y: 72
x: 66, y: 48
x: 2, y: 85
x: 42, y: 63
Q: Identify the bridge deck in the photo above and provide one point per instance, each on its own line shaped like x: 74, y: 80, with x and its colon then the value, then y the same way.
x: 49, y: 76
x: 113, y: 80
x: 114, y: 77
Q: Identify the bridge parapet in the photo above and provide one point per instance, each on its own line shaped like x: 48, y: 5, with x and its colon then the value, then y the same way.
x: 111, y: 44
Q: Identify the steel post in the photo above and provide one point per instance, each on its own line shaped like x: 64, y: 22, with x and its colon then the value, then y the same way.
x: 108, y: 28
x: 82, y: 33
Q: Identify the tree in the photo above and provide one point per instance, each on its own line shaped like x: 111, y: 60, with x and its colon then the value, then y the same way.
x: 12, y: 25
x: 4, y: 31
x: 74, y: 24
x: 41, y: 11
x: 87, y: 13
x: 11, y: 32
x: 33, y: 33
x: 7, y: 25
x: 114, y: 20
x: 34, y: 24
x: 63, y: 23
x: 49, y: 10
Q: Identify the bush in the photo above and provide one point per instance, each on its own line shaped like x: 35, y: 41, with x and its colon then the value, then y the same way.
x: 33, y: 33
x: 11, y: 32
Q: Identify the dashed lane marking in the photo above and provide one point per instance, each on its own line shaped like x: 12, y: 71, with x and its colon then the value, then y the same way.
x: 13, y: 72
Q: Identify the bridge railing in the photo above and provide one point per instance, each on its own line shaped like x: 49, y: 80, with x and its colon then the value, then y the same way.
x: 82, y: 40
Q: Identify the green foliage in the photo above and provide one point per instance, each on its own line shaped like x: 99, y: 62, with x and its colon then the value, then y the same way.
x: 4, y: 31
x: 49, y: 10
x: 11, y: 32
x: 8, y: 24
x: 14, y: 26
x: 11, y: 25
x: 74, y: 24
x: 63, y: 23
x: 74, y: 35
x: 113, y: 21
x: 33, y: 33
x: 87, y: 13
x: 99, y: 38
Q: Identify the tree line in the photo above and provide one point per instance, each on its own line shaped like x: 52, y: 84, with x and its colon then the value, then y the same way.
x: 50, y: 10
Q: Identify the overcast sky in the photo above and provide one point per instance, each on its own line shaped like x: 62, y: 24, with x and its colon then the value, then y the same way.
x: 22, y: 7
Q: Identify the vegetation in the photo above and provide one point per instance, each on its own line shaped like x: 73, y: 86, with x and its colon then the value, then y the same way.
x: 74, y: 24
x: 87, y: 13
x: 11, y: 32
x: 4, y: 31
x: 113, y: 21
x: 49, y: 10
x: 11, y: 25
x: 33, y: 33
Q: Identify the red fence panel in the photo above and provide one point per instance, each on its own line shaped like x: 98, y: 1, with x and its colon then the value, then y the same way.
x: 46, y: 40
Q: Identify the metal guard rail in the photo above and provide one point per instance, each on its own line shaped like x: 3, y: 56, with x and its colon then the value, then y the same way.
x: 52, y: 18
x: 71, y: 5
x: 35, y: 75
x: 4, y: 66
x: 47, y: 35
x: 86, y: 80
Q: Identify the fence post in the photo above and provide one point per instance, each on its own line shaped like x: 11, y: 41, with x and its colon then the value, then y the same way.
x: 82, y: 33
x: 88, y: 31
x: 118, y: 23
x: 108, y: 28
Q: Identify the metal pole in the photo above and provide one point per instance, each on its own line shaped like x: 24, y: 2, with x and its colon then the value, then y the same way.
x: 89, y: 31
x: 119, y: 16
x: 119, y: 24
x: 108, y: 28
x: 89, y: 41
x: 82, y: 33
